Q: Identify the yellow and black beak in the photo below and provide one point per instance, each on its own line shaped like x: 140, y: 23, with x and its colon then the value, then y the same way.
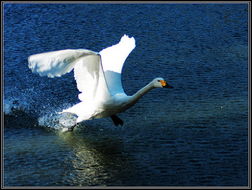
x: 165, y: 84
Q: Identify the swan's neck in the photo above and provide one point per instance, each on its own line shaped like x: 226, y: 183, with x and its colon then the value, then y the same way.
x: 142, y: 92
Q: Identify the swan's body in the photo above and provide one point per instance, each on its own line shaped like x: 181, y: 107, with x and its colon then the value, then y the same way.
x: 98, y: 77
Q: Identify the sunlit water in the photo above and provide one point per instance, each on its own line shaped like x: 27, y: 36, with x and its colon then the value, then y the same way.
x: 193, y: 135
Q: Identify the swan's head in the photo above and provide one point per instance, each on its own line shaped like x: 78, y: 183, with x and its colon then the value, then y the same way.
x: 161, y: 83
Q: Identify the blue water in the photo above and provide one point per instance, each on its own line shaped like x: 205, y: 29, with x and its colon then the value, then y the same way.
x: 193, y: 135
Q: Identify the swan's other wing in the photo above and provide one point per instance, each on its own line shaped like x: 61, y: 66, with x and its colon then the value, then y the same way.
x: 113, y: 59
x: 87, y: 67
x: 114, y: 56
x: 56, y: 63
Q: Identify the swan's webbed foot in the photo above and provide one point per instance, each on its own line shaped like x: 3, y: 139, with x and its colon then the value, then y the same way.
x: 117, y: 121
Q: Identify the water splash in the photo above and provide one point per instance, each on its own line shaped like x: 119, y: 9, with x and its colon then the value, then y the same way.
x: 47, y: 117
x: 58, y: 121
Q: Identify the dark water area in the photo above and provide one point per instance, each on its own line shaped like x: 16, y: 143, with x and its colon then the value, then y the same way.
x: 193, y: 135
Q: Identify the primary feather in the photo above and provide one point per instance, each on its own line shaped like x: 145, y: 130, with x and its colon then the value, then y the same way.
x: 56, y: 63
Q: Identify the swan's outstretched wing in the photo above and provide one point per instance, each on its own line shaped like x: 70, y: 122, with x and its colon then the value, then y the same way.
x: 113, y: 59
x: 56, y: 63
x: 87, y: 67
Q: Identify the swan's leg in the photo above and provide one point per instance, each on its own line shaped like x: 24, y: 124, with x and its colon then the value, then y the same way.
x: 117, y: 121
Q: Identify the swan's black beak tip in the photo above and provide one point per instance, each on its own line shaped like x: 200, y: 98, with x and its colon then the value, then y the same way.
x: 165, y: 84
x: 168, y: 86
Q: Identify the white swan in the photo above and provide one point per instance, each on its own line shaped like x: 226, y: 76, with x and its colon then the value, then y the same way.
x: 98, y: 77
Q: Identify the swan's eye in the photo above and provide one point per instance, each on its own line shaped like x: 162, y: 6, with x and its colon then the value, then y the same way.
x: 158, y: 80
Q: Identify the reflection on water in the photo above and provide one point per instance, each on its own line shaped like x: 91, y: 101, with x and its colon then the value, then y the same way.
x: 95, y: 160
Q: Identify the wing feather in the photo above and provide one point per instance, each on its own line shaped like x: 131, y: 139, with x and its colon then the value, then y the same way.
x: 113, y: 59
x: 87, y: 67
x: 114, y: 56
x: 56, y: 63
x: 97, y: 75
